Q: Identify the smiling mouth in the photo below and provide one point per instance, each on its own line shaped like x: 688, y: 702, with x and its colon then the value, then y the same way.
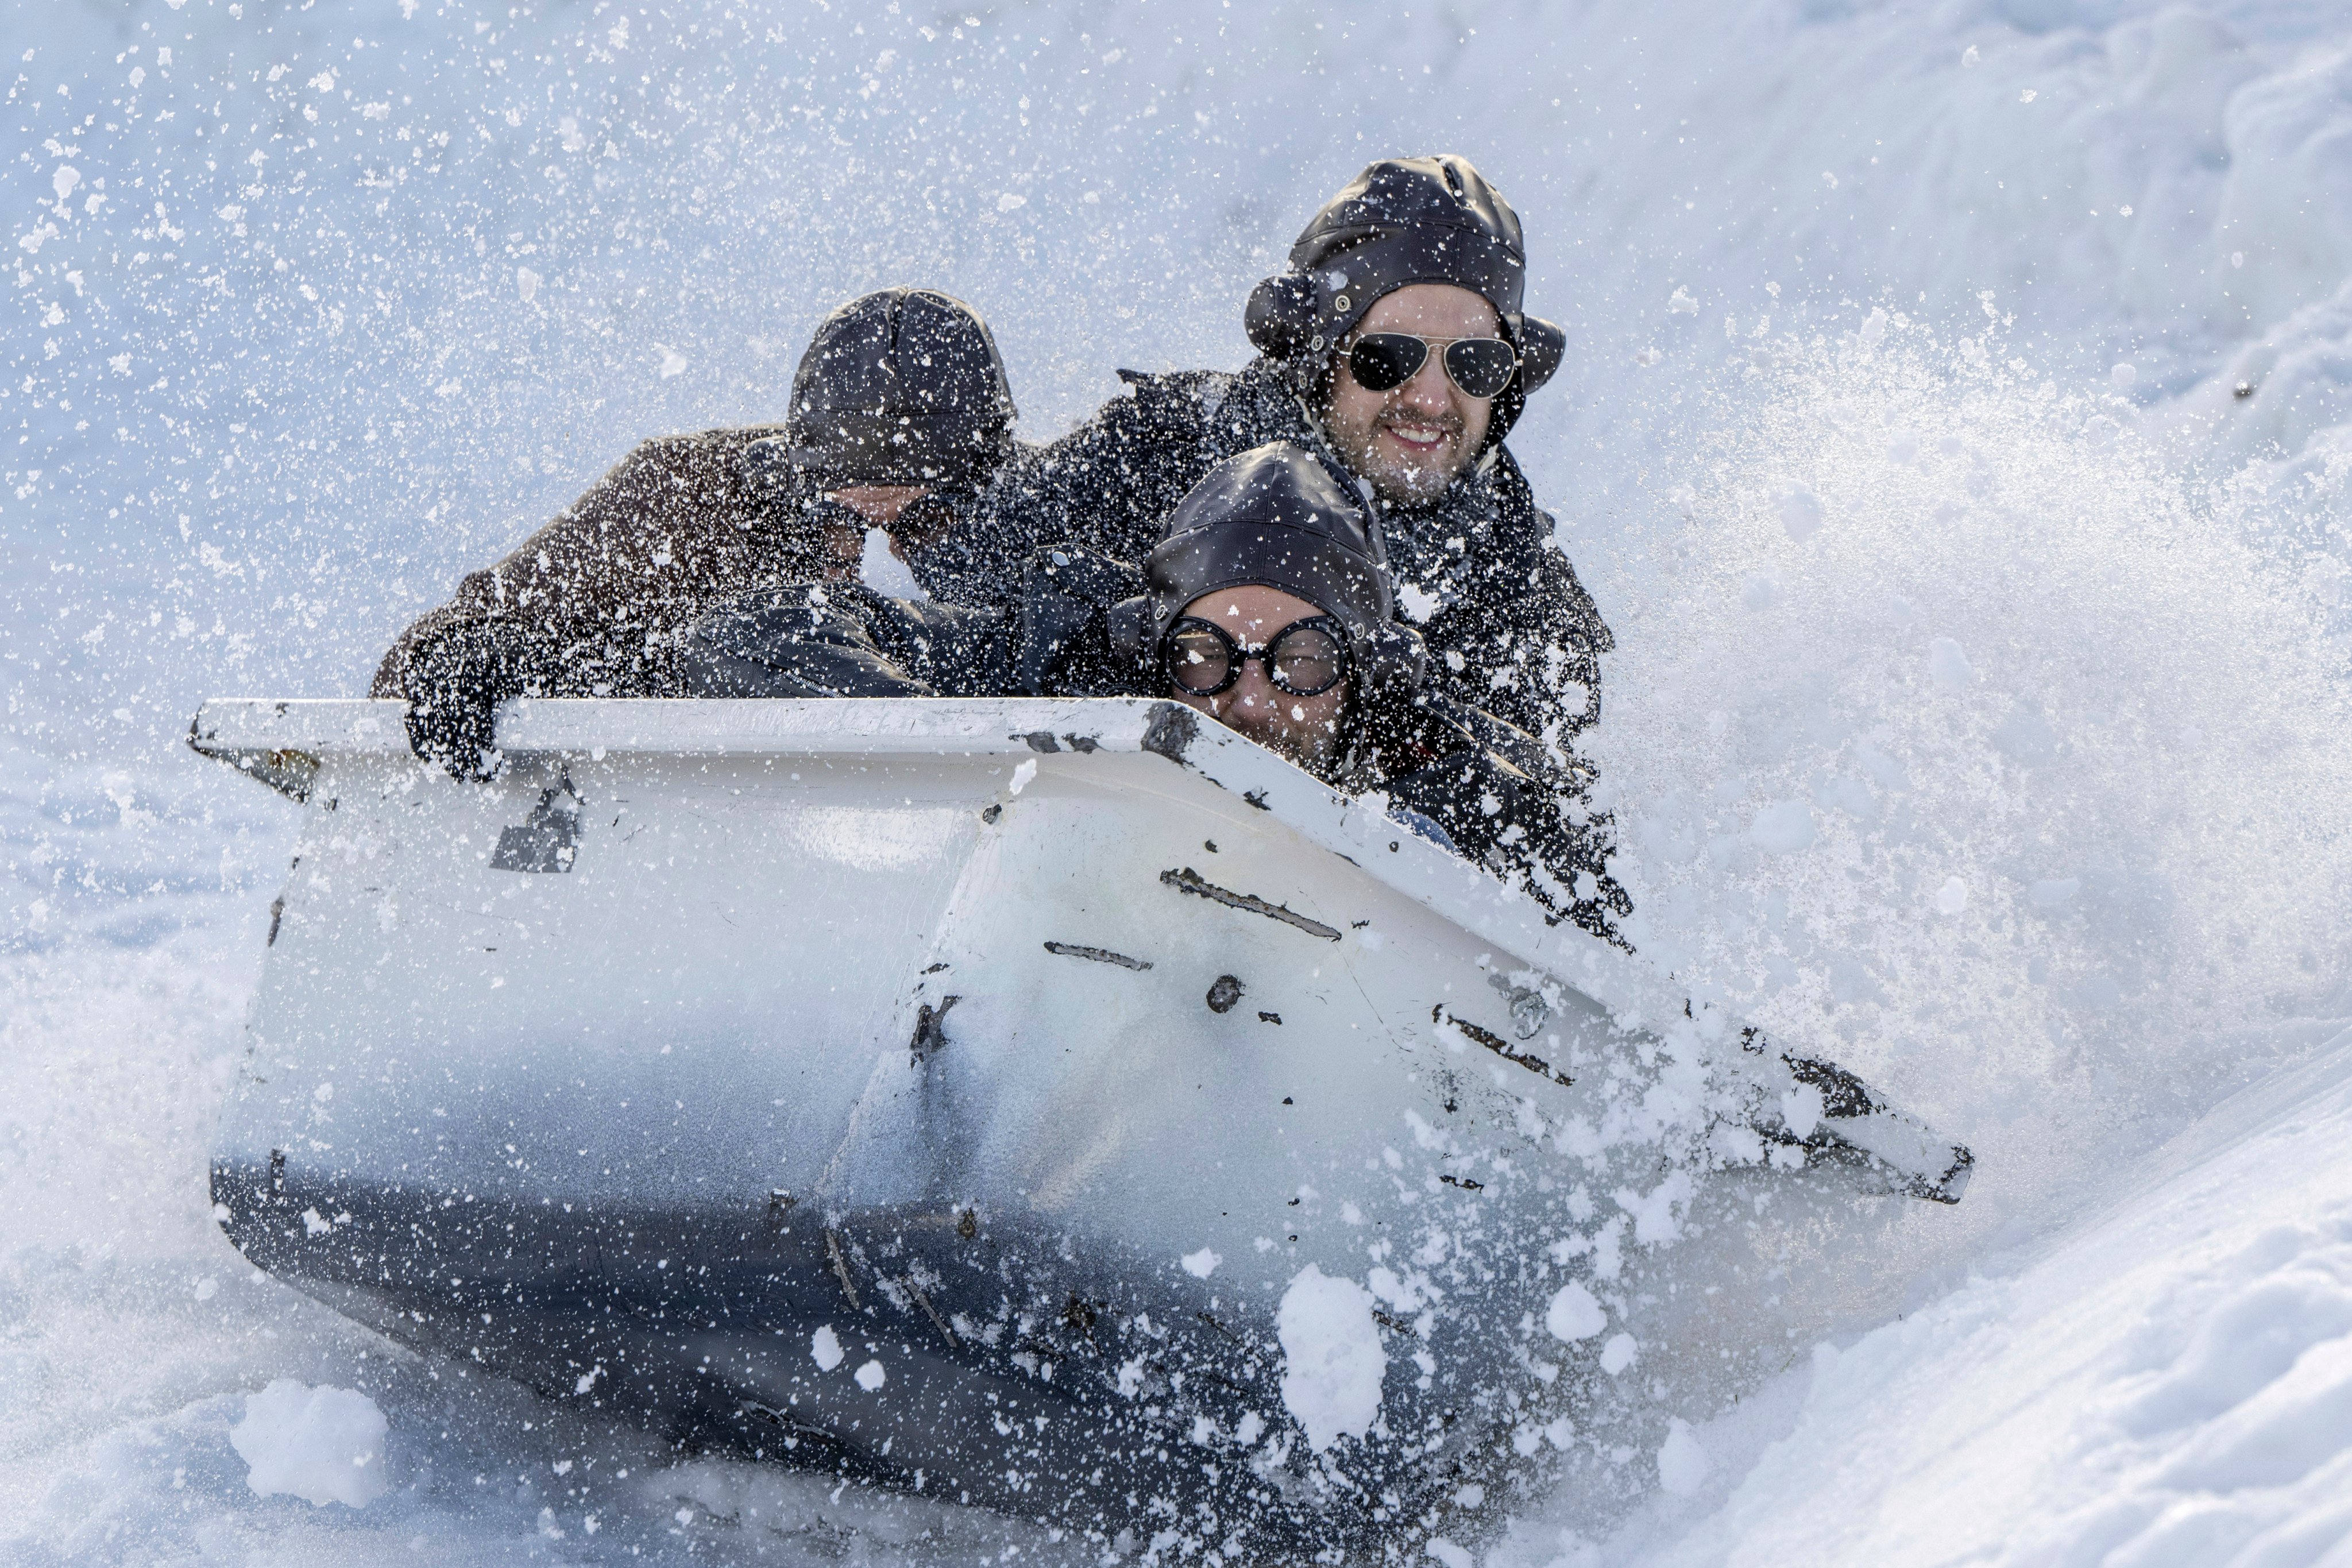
x: 1418, y: 437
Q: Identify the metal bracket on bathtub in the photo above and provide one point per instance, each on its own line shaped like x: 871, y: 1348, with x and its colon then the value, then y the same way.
x: 549, y: 840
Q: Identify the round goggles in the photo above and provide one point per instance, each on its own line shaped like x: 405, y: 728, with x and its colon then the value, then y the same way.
x: 1481, y: 367
x: 1305, y: 658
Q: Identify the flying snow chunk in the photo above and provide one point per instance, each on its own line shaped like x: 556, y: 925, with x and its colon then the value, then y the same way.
x: 1682, y: 1463
x: 1952, y: 896
x: 824, y: 1349
x: 1682, y: 304
x: 1011, y: 200
x: 1783, y: 827
x: 2124, y: 375
x: 1333, y: 1362
x: 672, y: 361
x: 1800, y: 1110
x: 322, y: 1444
x: 1618, y: 1353
x: 1202, y: 1264
x: 1800, y: 508
x: 1948, y: 665
x: 871, y: 1377
x: 1418, y: 603
x: 1653, y: 1212
x: 527, y: 285
x: 65, y: 180
x: 1574, y: 1314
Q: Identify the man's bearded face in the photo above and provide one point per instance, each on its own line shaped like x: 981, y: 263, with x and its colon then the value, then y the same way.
x: 1411, y: 440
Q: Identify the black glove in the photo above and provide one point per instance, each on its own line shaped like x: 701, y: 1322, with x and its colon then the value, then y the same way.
x: 1064, y: 647
x: 844, y: 639
x: 455, y: 681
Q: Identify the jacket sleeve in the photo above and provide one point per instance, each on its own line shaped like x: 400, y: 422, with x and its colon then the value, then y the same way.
x: 1508, y: 805
x: 1104, y: 487
x: 582, y: 607
x: 1543, y: 672
x: 673, y: 524
x: 843, y: 640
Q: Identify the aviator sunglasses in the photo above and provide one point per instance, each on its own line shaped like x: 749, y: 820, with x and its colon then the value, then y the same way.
x: 1305, y: 658
x: 1481, y: 367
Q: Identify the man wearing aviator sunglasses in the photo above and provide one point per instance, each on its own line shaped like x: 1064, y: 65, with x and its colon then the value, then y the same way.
x: 1396, y: 345
x: 899, y: 412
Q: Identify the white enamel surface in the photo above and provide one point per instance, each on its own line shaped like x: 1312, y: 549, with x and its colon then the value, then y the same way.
x: 717, y: 1000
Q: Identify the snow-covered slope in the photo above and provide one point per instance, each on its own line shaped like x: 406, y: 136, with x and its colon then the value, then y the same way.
x: 1979, y: 707
x: 2169, y: 1382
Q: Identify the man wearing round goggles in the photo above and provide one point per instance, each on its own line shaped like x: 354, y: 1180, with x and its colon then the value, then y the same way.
x: 1266, y: 607
x: 1395, y: 342
x: 900, y: 413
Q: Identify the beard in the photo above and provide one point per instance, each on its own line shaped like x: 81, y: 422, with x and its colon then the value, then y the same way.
x: 1402, y: 477
x: 1408, y: 476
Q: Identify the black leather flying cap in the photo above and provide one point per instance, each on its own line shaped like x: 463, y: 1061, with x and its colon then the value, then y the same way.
x: 1275, y: 516
x: 901, y: 387
x: 1405, y: 221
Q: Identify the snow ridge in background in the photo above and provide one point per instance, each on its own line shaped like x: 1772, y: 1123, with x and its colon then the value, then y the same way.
x: 337, y: 301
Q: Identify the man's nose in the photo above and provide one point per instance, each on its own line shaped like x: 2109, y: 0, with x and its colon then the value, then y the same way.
x: 1254, y: 690
x: 1429, y: 388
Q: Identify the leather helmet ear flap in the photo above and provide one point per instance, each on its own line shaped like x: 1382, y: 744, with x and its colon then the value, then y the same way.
x: 1541, y: 347
x: 1127, y: 623
x: 1281, y: 315
x: 1393, y: 662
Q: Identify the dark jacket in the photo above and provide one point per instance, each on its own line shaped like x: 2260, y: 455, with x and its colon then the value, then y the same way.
x: 1478, y: 563
x: 587, y: 606
x: 844, y: 639
x: 1494, y: 792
